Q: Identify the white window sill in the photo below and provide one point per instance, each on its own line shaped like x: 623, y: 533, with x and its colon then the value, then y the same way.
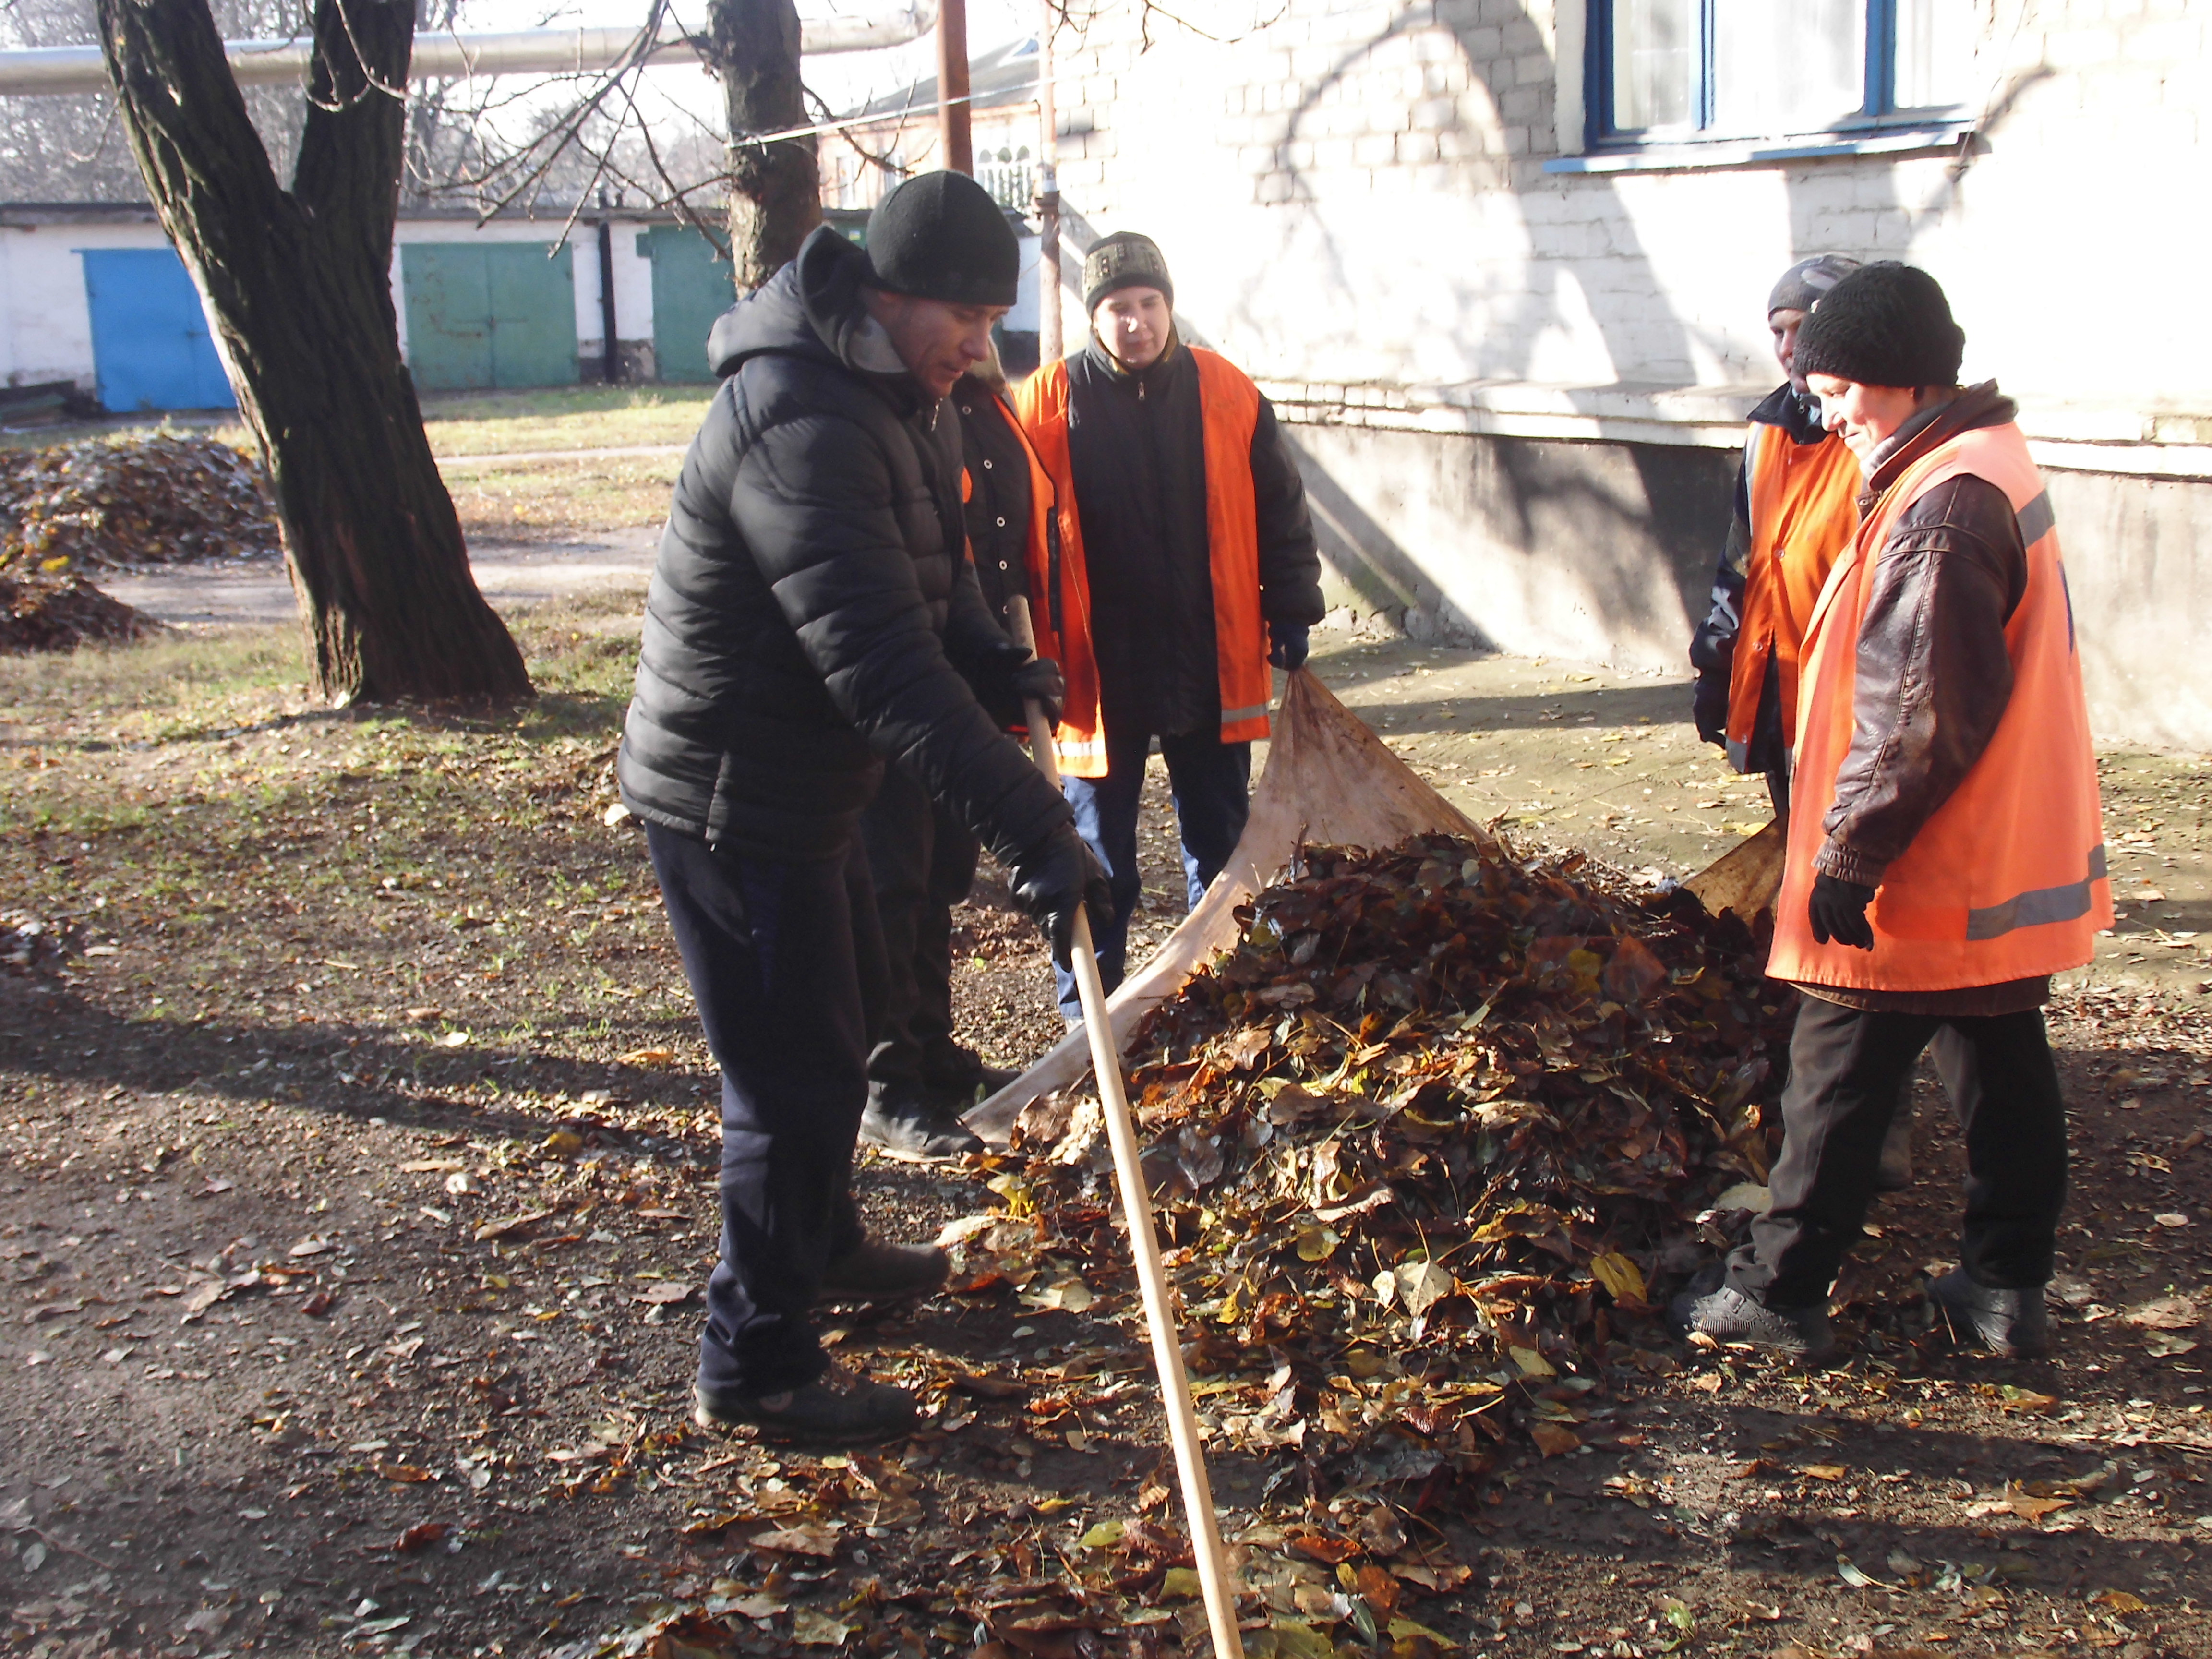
x: 1761, y: 152
x: 2070, y: 435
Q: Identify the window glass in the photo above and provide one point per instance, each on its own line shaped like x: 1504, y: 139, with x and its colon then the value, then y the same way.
x: 1787, y: 65
x: 1655, y: 52
x: 1934, y: 52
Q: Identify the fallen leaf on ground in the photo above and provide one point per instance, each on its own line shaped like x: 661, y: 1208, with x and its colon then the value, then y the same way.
x: 798, y: 1540
x: 1552, y: 1440
x: 2171, y: 1312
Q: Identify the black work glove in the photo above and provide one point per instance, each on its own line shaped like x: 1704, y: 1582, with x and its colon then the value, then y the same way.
x: 1709, y: 707
x: 1287, y: 645
x: 1057, y: 878
x: 1838, y: 911
x: 1039, y: 680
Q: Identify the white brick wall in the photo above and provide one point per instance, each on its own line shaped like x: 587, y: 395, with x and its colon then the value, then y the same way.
x: 1354, y: 193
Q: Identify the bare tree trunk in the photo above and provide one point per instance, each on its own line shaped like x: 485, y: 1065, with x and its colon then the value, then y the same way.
x: 299, y: 284
x: 775, y: 189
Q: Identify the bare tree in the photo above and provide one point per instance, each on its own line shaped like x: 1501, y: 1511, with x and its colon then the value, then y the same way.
x: 299, y: 282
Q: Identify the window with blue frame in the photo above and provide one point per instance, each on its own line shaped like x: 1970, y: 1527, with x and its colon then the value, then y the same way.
x: 1675, y: 72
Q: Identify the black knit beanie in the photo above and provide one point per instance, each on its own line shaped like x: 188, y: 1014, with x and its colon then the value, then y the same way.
x: 1884, y: 325
x: 1805, y: 283
x: 940, y: 236
x: 1124, y: 260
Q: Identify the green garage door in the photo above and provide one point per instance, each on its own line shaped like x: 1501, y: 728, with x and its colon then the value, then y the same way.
x: 489, y: 315
x: 692, y: 285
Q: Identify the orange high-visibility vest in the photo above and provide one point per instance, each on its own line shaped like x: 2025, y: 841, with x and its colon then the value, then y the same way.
x: 2007, y: 880
x: 1228, y: 404
x: 1804, y: 510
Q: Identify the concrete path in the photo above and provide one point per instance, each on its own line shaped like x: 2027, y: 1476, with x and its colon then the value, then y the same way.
x: 258, y: 591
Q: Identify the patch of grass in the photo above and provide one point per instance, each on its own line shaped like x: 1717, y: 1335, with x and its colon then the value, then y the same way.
x: 564, y: 417
x: 519, y: 500
x: 186, y: 801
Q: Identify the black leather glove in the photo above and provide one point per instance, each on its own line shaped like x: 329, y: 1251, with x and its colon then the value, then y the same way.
x: 1709, y: 707
x: 1838, y: 911
x: 1287, y: 645
x: 1039, y: 680
x: 1055, y: 879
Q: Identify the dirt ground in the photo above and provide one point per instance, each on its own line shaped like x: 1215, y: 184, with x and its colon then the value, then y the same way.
x: 358, y: 1180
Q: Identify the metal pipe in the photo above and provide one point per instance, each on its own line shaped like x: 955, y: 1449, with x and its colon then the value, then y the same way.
x: 956, y: 151
x: 1050, y: 348
x: 52, y: 70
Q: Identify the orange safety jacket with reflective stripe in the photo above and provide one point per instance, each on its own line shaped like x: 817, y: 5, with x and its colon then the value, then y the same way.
x: 1804, y: 510
x: 2007, y: 880
x: 1228, y: 404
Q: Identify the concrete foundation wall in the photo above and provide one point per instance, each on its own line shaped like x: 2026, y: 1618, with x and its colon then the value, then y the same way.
x: 1604, y: 553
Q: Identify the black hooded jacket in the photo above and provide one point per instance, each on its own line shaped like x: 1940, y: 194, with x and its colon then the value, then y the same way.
x: 812, y: 608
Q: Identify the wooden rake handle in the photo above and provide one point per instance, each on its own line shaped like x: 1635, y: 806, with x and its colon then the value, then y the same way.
x: 1144, y: 1237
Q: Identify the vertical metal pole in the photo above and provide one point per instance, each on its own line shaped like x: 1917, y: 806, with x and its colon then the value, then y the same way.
x: 1050, y: 347
x: 612, y: 368
x: 958, y: 150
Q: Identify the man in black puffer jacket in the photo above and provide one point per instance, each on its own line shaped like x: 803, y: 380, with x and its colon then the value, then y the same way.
x: 813, y: 612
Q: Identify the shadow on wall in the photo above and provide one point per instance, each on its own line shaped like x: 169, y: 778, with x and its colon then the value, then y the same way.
x: 1598, y: 552
x: 1602, y: 549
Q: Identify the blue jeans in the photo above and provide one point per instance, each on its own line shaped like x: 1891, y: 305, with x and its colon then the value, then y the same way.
x: 1211, y: 781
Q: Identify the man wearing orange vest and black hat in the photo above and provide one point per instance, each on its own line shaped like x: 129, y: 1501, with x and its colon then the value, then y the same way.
x: 1796, y: 508
x: 1946, y: 843
x: 1186, y: 565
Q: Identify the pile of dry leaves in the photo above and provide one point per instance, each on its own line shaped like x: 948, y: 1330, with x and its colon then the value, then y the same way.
x: 44, y: 612
x: 1425, y: 1144
x: 144, y: 499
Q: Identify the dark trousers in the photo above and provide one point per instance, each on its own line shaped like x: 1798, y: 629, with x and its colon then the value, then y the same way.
x: 1848, y: 1069
x: 1211, y: 781
x: 785, y: 964
x: 923, y: 861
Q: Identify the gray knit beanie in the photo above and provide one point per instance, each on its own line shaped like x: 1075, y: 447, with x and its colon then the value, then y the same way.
x: 1125, y: 260
x: 1804, y: 284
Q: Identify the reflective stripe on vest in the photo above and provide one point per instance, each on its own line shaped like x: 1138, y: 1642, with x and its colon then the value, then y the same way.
x: 1229, y: 408
x: 1804, y: 510
x: 2007, y: 880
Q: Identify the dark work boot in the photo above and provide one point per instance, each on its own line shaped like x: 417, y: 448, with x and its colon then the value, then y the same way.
x: 2014, y: 1324
x: 1727, y: 1315
x: 870, y: 1272
x: 836, y: 1408
x: 914, y: 1131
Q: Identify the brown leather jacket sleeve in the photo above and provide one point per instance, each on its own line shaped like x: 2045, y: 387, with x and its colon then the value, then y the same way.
x: 1934, y: 675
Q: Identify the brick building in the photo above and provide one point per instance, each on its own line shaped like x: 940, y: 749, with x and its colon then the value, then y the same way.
x: 1503, y: 263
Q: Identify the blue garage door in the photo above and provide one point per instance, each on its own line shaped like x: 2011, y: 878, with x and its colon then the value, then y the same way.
x: 150, y: 344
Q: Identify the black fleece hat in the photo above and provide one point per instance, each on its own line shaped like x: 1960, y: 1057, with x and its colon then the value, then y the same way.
x: 1124, y: 260
x: 940, y: 236
x: 1886, y: 324
x: 1804, y: 285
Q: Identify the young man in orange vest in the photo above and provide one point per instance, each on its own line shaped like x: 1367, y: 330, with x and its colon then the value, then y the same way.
x: 1187, y: 566
x: 1796, y: 508
x: 1945, y: 849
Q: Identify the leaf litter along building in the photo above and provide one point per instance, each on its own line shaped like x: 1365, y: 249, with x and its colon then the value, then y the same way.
x: 1502, y: 265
